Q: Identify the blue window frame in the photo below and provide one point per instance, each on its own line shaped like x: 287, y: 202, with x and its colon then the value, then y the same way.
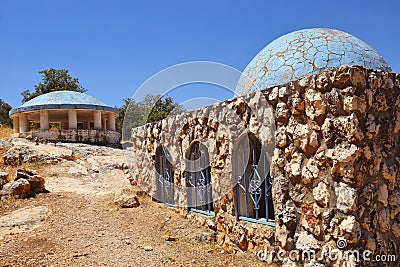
x: 254, y: 183
x: 199, y: 180
x: 165, y: 178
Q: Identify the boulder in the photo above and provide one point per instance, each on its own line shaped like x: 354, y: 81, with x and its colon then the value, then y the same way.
x: 3, y: 178
x: 26, y: 184
x: 19, y: 154
x: 127, y: 198
x: 25, y: 173
x: 24, y: 219
x: 36, y: 182
x: 19, y: 187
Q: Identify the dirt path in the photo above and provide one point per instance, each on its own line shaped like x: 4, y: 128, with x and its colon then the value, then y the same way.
x: 84, y: 229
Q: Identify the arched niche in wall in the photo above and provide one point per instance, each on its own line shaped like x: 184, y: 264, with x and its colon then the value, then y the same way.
x: 198, y: 179
x: 253, y: 190
x: 165, y: 177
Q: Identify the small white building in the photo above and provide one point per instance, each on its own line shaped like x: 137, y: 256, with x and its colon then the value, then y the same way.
x: 79, y: 117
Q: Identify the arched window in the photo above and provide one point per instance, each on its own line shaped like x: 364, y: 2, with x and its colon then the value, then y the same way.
x: 165, y: 178
x: 254, y: 184
x: 199, y: 179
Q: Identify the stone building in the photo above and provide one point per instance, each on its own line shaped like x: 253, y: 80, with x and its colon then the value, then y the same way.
x: 76, y: 117
x: 330, y: 181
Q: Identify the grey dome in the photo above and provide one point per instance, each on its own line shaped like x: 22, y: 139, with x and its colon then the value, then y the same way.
x: 63, y: 100
x: 306, y: 52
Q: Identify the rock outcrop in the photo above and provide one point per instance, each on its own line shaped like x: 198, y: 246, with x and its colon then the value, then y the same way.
x: 27, y: 183
x: 23, y: 220
x: 20, y: 154
x: 127, y: 197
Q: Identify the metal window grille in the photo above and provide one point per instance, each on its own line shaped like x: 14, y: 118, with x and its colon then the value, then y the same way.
x: 254, y: 184
x: 165, y: 178
x: 199, y: 180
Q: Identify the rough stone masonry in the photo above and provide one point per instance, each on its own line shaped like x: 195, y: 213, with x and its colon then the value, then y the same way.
x: 335, y: 165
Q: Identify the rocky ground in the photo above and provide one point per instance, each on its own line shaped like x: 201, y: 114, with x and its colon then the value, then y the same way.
x: 78, y: 223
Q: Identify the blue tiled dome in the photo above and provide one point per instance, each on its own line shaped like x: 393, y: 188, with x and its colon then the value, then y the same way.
x: 63, y: 100
x: 305, y: 52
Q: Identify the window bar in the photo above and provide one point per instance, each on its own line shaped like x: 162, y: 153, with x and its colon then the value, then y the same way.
x: 267, y: 197
x: 162, y: 178
x: 246, y: 156
x: 202, y: 178
x: 266, y: 183
x: 165, y: 179
x: 254, y: 179
x: 238, y: 184
x: 209, y: 192
x: 159, y: 175
x: 203, y: 183
x: 172, y: 185
x: 189, y: 185
x: 206, y: 185
x: 209, y: 189
x: 167, y: 182
x: 255, y: 189
x: 195, y: 175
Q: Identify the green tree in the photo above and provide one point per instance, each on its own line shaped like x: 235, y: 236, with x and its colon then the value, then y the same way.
x: 53, y: 80
x: 151, y: 109
x: 161, y: 108
x: 4, y: 109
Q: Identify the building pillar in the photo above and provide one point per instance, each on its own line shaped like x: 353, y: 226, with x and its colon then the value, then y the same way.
x: 44, y: 120
x: 97, y: 119
x: 72, y: 119
x: 111, y: 122
x: 23, y: 123
x: 16, y: 124
x: 103, y: 123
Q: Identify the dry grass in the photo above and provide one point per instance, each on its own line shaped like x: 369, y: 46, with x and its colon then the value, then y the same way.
x: 73, y: 157
x: 10, y: 202
x: 108, y: 204
x: 5, y: 131
x: 11, y: 170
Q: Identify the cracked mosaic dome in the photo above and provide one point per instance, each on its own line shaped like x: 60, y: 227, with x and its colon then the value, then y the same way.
x: 307, y: 52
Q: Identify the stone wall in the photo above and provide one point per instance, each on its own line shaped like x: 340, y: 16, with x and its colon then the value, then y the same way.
x: 217, y: 127
x: 81, y: 136
x: 335, y: 164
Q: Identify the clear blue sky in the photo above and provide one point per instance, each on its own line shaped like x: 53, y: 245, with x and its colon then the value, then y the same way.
x: 114, y: 46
